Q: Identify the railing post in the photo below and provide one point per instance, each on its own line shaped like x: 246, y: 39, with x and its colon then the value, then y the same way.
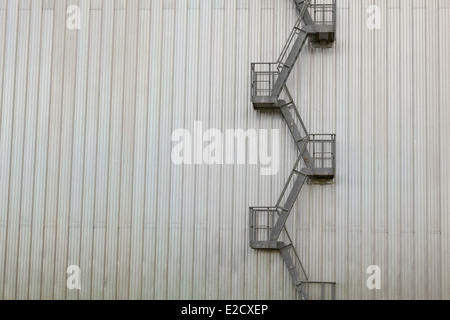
x: 270, y: 77
x: 253, y: 80
x: 323, y: 152
x: 333, y: 292
x: 250, y: 222
x: 314, y: 151
x: 334, y: 14
x: 323, y: 291
x: 333, y: 150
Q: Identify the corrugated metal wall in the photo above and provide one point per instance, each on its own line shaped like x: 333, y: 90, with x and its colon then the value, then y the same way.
x: 86, y: 176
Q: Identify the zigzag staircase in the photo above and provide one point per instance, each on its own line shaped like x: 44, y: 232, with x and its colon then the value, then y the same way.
x: 316, y: 153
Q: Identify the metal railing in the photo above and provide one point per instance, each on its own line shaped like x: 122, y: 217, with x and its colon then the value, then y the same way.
x: 324, y: 14
x: 264, y: 76
x: 298, y: 121
x: 292, y: 37
x: 262, y: 221
x: 322, y: 148
x: 289, y: 44
x: 319, y: 290
x: 290, y: 179
x: 298, y: 265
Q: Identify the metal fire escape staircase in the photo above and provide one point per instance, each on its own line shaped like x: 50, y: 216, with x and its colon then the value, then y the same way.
x: 316, y: 152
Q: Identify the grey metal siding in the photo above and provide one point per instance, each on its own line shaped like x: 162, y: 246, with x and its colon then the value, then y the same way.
x: 86, y: 176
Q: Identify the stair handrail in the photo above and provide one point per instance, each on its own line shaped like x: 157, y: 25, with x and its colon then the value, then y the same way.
x: 297, y: 113
x: 300, y: 156
x: 293, y: 33
x: 291, y: 243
